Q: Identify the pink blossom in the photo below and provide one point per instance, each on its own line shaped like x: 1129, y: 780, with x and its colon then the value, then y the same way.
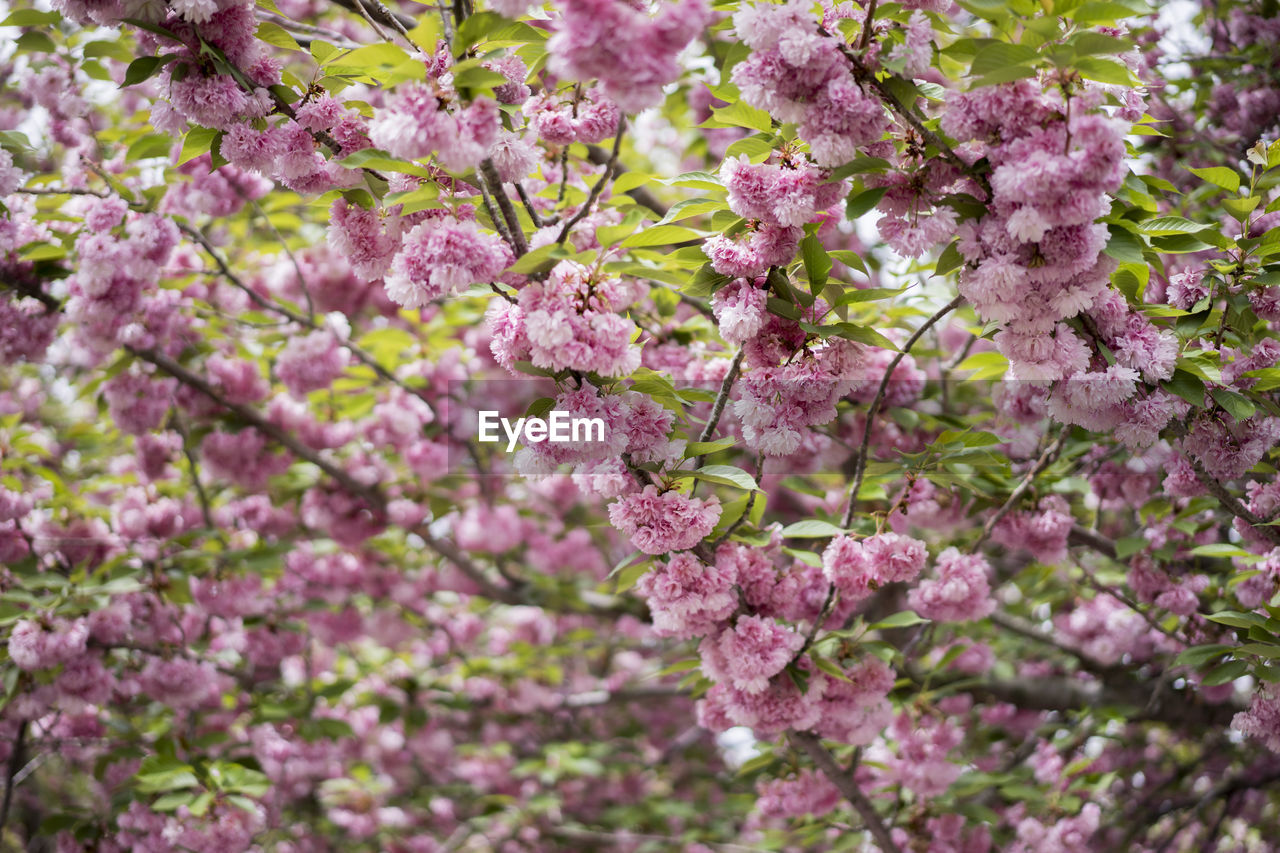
x: 443, y: 256
x: 960, y: 593
x: 660, y: 523
x: 750, y: 653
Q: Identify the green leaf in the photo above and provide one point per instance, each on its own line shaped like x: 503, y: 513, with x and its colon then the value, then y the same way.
x: 1224, y: 673
x: 1236, y: 405
x: 171, y: 801
x: 811, y: 529
x: 1200, y: 655
x: 276, y: 35
x: 151, y: 145
x: 1240, y: 208
x: 706, y: 448
x: 629, y: 576
x: 986, y: 365
x: 143, y: 68
x: 1187, y: 386
x: 739, y: 114
x: 903, y: 619
x: 1219, y: 549
x: 1165, y: 225
x: 34, y: 41
x: 1124, y: 245
x: 475, y: 28
x: 1000, y: 56
x: 539, y: 260
x: 199, y: 141
x: 860, y: 203
x: 861, y: 334
x: 1228, y: 179
x: 829, y: 667
x: 372, y: 158
x: 1104, y: 70
x: 725, y: 475
x: 1237, y: 620
x: 30, y: 18
x: 817, y: 263
x: 949, y: 260
x: 661, y: 235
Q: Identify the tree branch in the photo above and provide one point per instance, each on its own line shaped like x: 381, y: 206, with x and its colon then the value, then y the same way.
x: 489, y: 174
x: 860, y: 465
x: 843, y: 779
x: 17, y: 757
x: 370, y: 494
x: 599, y: 185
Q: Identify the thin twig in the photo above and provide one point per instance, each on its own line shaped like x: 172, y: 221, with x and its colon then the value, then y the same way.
x: 861, y: 463
x: 1046, y: 459
x: 17, y: 757
x: 370, y: 494
x: 599, y: 185
x: 867, y: 21
x: 722, y: 399
x: 812, y: 746
x: 863, y: 74
x: 537, y: 218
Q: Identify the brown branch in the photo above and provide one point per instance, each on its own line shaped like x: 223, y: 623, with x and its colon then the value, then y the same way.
x: 843, y: 779
x: 370, y: 494
x: 867, y: 21
x: 863, y: 74
x: 17, y: 757
x: 1232, y: 504
x: 642, y: 195
x: 605, y: 177
x: 276, y: 308
x: 379, y: 13
x: 1046, y: 459
x: 722, y: 399
x: 1085, y: 537
x: 860, y: 465
x: 1025, y: 629
x: 489, y: 175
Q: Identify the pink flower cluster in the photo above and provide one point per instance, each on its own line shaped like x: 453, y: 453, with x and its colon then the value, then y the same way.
x: 1262, y: 720
x: 658, y: 523
x: 853, y: 711
x: 1035, y: 259
x: 960, y: 593
x: 801, y: 77
x: 789, y: 194
x: 568, y: 321
x: 311, y: 362
x: 753, y: 250
x: 687, y: 597
x: 367, y: 238
x: 859, y: 567
x: 631, y: 52
x: 442, y: 256
x: 920, y: 763
x: 560, y: 119
x: 416, y: 125
x: 739, y: 309
x: 788, y: 387
x: 634, y: 425
x: 1042, y: 533
x: 137, y: 401
x: 112, y: 293
x: 33, y: 647
x: 749, y: 654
